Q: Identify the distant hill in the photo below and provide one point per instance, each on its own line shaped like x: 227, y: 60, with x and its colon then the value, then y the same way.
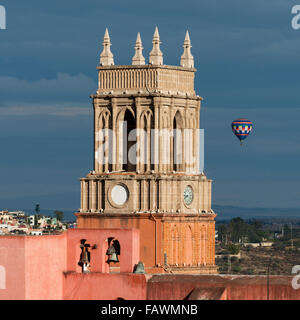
x: 229, y: 212
x: 223, y: 212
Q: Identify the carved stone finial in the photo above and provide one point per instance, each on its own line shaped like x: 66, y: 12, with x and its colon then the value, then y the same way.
x: 187, y: 60
x: 106, y: 57
x: 156, y: 56
x: 138, y: 58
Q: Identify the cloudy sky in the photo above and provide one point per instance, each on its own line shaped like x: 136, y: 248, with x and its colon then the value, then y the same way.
x: 247, y: 57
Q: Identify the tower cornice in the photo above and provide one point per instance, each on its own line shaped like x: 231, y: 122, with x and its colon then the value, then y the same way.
x: 146, y: 94
x: 146, y: 66
x: 173, y: 80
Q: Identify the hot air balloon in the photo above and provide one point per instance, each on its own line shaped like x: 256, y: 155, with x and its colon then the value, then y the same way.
x: 242, y: 128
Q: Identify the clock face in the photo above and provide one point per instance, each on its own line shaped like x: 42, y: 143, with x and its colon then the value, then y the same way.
x: 188, y: 195
x: 119, y: 194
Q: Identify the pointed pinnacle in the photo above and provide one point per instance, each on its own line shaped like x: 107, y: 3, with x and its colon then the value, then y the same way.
x: 187, y: 59
x: 156, y: 35
x: 156, y: 56
x: 106, y: 57
x: 106, y: 35
x: 138, y: 39
x: 187, y: 36
x: 138, y: 58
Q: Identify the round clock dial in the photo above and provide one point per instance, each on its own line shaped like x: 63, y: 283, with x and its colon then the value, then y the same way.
x: 119, y: 194
x: 188, y: 195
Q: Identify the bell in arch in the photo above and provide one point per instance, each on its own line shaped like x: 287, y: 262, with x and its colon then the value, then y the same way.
x: 112, y: 254
x: 139, y: 268
x: 84, y: 261
x: 85, y: 258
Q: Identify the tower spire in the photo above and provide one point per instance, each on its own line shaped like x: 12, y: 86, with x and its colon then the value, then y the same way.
x: 138, y: 58
x: 156, y: 56
x: 106, y: 57
x: 187, y: 60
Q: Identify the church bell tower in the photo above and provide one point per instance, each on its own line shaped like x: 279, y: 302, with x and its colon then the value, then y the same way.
x: 147, y: 172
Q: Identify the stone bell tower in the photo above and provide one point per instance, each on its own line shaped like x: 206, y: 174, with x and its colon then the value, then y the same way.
x: 146, y: 161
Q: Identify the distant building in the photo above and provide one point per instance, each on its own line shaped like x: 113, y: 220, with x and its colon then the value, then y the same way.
x: 258, y: 244
x: 36, y: 232
x: 266, y: 244
x: 31, y: 220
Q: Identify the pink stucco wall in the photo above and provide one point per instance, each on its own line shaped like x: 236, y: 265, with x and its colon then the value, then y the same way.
x: 129, y: 240
x: 101, y: 286
x: 12, y: 260
x: 238, y: 287
x: 46, y: 267
x: 45, y: 261
x: 35, y: 267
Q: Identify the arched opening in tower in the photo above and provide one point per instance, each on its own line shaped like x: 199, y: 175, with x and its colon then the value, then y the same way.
x: 177, y: 142
x: 113, y: 253
x: 85, y: 256
x: 129, y: 142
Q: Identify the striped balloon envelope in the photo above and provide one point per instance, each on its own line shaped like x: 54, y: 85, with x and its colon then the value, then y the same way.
x: 242, y: 128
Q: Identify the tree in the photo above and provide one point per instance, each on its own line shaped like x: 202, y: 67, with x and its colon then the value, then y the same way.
x: 37, y: 208
x: 233, y: 248
x: 287, y: 232
x: 222, y: 233
x: 59, y: 215
x: 237, y: 228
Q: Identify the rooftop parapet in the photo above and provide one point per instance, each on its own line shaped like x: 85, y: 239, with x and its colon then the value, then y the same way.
x: 146, y: 78
x: 140, y: 78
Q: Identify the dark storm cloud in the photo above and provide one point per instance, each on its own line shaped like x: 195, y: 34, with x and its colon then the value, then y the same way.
x: 240, y: 47
x: 63, y: 88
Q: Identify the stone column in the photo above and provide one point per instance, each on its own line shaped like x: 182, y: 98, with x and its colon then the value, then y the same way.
x: 93, y: 195
x: 96, y: 137
x: 84, y: 195
x: 153, y: 197
x: 197, y: 138
x: 184, y: 138
x: 81, y: 195
x: 148, y: 167
x: 114, y: 137
x: 119, y: 138
x: 90, y: 194
x: 172, y: 114
x: 107, y: 146
x: 99, y: 195
x: 138, y: 134
x: 156, y: 148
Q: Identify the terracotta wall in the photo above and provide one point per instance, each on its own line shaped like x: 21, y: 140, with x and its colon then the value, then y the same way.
x: 178, y: 287
x: 12, y: 262
x: 129, y: 243
x: 99, y: 286
x: 44, y: 267
x: 45, y: 260
x: 145, y: 226
x: 35, y: 267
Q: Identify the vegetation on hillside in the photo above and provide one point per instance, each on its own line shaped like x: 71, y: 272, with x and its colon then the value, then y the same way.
x: 245, y: 240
